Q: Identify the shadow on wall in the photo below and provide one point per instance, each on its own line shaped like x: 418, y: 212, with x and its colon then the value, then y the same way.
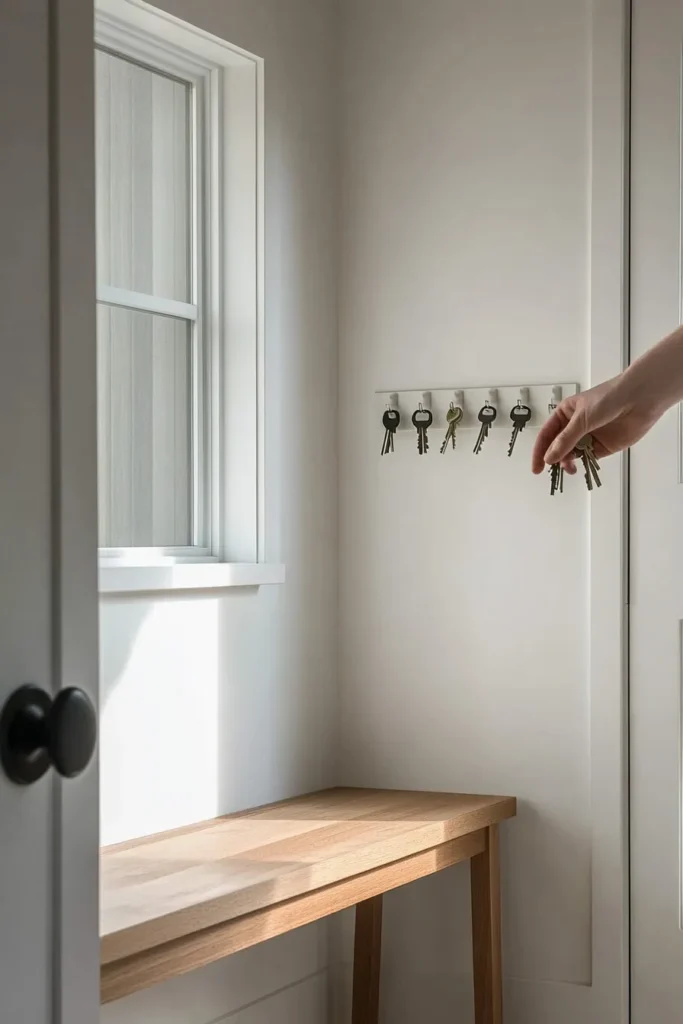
x: 117, y: 646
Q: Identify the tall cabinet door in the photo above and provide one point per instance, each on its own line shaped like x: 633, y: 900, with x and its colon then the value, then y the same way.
x: 49, y: 962
x: 656, y: 525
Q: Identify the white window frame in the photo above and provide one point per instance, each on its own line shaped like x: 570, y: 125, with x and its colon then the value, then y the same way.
x: 228, y: 283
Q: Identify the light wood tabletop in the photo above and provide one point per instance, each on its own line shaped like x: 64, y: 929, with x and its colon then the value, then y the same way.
x: 173, y: 902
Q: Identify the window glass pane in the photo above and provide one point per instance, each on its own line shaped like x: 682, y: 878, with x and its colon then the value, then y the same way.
x: 144, y: 429
x: 143, y: 179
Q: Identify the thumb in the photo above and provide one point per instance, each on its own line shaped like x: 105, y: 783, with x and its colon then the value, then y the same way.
x: 566, y: 441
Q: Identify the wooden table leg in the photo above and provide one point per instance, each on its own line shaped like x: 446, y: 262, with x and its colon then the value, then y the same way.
x: 367, y: 955
x: 486, y: 935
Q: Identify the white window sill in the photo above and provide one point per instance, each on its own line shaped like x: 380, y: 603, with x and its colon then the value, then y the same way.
x: 129, y: 579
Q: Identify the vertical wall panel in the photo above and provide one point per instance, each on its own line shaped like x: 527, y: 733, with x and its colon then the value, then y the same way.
x: 465, y: 258
x: 656, y: 605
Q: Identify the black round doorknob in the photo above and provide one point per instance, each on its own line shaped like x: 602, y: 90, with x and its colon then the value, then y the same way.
x: 37, y: 732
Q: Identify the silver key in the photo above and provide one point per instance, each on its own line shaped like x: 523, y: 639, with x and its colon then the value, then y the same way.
x: 390, y: 422
x: 556, y: 470
x: 520, y: 416
x: 556, y: 479
x: 487, y: 415
x: 422, y: 421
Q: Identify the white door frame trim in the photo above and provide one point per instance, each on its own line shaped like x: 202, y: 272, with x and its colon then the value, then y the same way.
x: 609, y: 354
x: 76, y: 971
x: 606, y: 999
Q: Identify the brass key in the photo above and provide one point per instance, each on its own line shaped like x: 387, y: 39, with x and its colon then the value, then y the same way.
x: 591, y: 466
x: 453, y: 417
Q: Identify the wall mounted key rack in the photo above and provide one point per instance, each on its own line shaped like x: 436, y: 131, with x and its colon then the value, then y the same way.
x: 539, y: 397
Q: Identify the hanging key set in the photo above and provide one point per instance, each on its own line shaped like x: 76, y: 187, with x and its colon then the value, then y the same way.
x: 486, y: 410
x: 583, y: 453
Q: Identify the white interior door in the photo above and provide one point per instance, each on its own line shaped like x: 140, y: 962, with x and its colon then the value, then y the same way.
x: 49, y: 959
x: 656, y: 525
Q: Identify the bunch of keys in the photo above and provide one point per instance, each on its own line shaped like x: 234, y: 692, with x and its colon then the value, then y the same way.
x: 487, y: 415
x: 390, y: 421
x: 591, y: 467
x: 556, y: 471
x: 556, y: 479
x: 453, y: 417
x: 422, y: 421
x: 520, y: 416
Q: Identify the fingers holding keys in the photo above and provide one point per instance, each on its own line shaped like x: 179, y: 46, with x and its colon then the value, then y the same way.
x: 546, y: 435
x: 609, y: 413
x: 585, y: 428
x: 557, y: 438
x: 559, y: 442
x: 567, y: 440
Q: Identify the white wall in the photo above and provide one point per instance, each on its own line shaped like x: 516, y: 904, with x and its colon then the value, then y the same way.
x: 463, y: 600
x: 464, y: 589
x: 213, y: 704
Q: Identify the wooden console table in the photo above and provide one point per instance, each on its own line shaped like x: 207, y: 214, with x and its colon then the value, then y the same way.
x: 177, y: 901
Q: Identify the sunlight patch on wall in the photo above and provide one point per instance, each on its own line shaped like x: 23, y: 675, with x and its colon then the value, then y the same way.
x: 160, y: 716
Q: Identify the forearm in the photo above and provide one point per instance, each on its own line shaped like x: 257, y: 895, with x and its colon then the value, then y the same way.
x: 656, y: 378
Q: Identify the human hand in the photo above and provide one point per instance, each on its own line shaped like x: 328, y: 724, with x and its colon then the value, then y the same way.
x: 613, y: 413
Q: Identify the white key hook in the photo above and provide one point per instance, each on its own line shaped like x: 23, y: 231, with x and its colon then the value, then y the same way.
x: 438, y: 402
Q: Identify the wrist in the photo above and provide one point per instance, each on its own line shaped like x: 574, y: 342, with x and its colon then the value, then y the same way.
x: 655, y: 381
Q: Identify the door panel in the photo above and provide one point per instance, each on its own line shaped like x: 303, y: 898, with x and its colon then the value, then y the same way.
x: 74, y: 437
x: 48, y: 595
x: 656, y: 524
x: 25, y: 529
